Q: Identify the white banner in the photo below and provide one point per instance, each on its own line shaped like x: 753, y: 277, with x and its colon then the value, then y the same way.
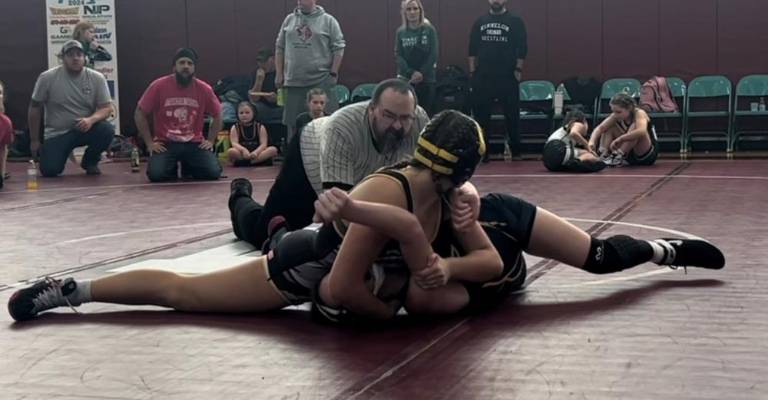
x: 63, y: 15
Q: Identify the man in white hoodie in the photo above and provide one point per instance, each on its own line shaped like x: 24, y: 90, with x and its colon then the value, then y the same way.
x: 310, y: 48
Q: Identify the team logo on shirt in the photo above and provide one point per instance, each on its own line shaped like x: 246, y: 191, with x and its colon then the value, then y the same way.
x: 305, y: 32
x: 494, y: 32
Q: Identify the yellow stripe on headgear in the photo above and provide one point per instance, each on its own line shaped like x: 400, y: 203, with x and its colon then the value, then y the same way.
x: 480, y: 137
x: 440, y: 169
x: 442, y: 153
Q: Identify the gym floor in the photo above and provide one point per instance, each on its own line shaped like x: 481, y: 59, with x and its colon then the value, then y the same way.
x: 648, y: 332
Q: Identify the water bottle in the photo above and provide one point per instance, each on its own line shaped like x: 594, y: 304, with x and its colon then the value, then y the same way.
x: 761, y: 106
x: 507, y: 153
x: 281, y: 97
x: 558, y: 100
x: 135, y: 160
x: 32, y: 175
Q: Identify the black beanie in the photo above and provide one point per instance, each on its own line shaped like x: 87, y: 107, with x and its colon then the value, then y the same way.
x: 185, y: 52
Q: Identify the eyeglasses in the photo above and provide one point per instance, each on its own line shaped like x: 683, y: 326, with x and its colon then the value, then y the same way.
x: 392, y: 117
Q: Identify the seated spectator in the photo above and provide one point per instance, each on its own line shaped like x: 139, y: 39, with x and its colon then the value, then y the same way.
x: 316, y: 99
x: 250, y: 143
x: 77, y: 103
x: 178, y: 104
x: 263, y: 94
x: 627, y: 136
x: 6, y: 135
x: 567, y: 149
x: 85, y: 33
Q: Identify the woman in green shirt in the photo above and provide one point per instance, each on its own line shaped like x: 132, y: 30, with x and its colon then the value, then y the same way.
x: 416, y: 49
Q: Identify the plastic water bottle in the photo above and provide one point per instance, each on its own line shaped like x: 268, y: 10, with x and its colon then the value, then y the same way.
x: 507, y: 153
x: 135, y: 160
x: 761, y: 106
x: 558, y: 99
x: 32, y: 175
x: 281, y: 97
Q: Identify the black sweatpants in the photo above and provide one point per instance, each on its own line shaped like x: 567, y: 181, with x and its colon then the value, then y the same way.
x: 485, y: 89
x: 291, y: 196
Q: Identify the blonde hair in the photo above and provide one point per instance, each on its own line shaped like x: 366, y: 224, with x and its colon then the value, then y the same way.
x: 422, y: 17
x: 80, y: 29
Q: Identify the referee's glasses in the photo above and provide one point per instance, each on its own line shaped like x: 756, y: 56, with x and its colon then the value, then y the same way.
x: 405, y: 120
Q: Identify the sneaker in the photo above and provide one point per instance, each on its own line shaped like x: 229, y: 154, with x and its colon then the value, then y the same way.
x: 614, y: 160
x: 691, y: 253
x: 44, y: 295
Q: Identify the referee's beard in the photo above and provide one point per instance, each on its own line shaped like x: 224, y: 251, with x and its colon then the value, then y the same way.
x: 392, y: 139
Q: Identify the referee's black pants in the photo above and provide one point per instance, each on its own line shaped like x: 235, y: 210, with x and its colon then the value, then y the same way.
x: 486, y: 88
x: 291, y: 196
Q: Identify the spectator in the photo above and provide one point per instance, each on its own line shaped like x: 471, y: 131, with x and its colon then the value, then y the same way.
x: 85, y: 33
x: 498, y: 45
x: 310, y: 48
x: 250, y: 143
x: 263, y: 94
x: 416, y: 49
x: 6, y: 135
x: 316, y: 99
x: 77, y: 103
x: 178, y: 104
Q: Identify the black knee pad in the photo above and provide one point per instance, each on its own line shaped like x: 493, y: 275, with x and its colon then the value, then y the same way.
x: 302, y: 246
x: 616, y: 253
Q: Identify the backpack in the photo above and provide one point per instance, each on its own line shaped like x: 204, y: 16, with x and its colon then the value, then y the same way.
x: 239, y: 84
x: 452, y: 89
x: 656, y: 96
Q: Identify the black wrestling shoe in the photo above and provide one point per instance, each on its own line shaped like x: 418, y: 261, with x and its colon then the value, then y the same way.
x: 240, y: 187
x: 691, y: 253
x: 44, y: 295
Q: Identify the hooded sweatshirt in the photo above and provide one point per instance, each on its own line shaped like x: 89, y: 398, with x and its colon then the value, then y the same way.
x: 309, y: 43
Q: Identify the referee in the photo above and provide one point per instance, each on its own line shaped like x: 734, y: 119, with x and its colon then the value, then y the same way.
x: 335, y: 151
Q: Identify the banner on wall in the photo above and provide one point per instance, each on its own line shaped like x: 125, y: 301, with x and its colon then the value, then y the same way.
x: 63, y: 15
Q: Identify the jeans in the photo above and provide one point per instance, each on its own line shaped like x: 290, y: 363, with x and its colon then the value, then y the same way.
x: 55, y: 151
x: 196, y: 162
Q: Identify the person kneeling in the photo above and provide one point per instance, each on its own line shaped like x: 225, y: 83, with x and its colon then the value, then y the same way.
x: 177, y: 105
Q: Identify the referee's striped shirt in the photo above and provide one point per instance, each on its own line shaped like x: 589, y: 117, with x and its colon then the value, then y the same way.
x: 340, y: 148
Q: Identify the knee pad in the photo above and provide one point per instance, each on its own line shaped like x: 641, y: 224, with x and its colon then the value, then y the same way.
x: 302, y: 246
x: 616, y: 253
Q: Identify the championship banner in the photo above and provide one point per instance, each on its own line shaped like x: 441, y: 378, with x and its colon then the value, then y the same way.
x: 63, y: 15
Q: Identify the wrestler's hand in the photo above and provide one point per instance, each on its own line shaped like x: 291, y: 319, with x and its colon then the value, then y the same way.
x: 435, y: 275
x: 465, y: 207
x: 330, y: 205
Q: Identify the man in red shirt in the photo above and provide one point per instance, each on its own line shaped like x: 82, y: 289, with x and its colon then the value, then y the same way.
x: 6, y: 134
x: 178, y: 104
